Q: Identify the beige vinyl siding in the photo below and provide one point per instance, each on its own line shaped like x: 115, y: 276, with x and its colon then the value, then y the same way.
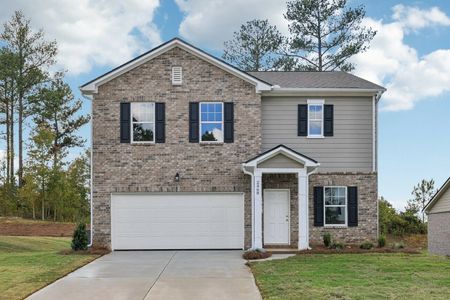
x: 280, y: 161
x: 442, y: 204
x: 349, y: 150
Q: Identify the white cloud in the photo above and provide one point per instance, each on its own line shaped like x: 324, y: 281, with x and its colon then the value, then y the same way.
x: 408, y: 77
x: 91, y: 32
x: 211, y: 22
x: 416, y: 18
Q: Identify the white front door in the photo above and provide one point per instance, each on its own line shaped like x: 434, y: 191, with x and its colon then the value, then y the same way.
x: 276, y: 217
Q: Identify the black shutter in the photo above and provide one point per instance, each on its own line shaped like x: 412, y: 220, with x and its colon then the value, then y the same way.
x: 328, y: 120
x: 318, y: 206
x: 302, y: 121
x: 352, y: 205
x: 125, y: 122
x: 228, y: 122
x: 193, y: 122
x: 160, y: 122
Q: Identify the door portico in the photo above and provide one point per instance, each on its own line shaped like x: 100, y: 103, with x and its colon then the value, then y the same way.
x: 280, y: 160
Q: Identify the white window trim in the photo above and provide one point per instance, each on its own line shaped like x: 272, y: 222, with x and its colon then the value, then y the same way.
x: 210, y: 122
x: 346, y: 207
x: 132, y: 122
x: 315, y: 102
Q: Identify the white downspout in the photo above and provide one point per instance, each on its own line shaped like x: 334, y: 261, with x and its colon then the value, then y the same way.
x: 91, y: 175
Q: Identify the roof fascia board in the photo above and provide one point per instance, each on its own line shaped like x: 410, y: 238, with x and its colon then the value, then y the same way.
x: 92, y: 87
x: 321, y: 91
x: 437, y: 196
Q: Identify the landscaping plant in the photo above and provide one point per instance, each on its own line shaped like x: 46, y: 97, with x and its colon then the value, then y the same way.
x: 80, y: 238
x: 381, y: 241
x: 327, y: 239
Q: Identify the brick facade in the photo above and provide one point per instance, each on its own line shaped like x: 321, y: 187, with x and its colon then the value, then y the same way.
x: 367, y: 229
x: 151, y: 167
x: 367, y: 205
x: 202, y: 167
x: 439, y: 233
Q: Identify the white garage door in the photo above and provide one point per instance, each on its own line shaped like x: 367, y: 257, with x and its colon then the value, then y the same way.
x: 177, y: 221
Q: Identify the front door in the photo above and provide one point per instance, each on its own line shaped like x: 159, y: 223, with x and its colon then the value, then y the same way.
x: 276, y: 217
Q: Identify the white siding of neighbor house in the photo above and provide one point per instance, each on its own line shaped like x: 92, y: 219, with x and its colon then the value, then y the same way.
x: 442, y: 204
x: 349, y: 150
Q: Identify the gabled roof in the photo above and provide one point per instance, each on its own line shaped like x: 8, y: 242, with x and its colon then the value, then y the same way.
x: 92, y: 86
x: 281, y: 149
x: 437, y: 195
x: 316, y: 80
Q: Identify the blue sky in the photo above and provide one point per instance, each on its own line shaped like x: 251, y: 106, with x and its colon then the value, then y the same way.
x: 410, y: 56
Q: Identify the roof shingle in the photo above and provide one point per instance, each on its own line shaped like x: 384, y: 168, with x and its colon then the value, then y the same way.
x: 335, y: 79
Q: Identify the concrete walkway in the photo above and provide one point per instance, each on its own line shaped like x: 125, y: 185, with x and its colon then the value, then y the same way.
x: 158, y: 275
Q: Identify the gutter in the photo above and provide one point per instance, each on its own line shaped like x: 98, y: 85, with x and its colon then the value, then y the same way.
x: 278, y: 90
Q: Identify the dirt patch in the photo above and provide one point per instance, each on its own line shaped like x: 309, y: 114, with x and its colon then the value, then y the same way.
x: 21, y: 227
x: 89, y: 251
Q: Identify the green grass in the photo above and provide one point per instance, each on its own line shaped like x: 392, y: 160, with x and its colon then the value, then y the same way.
x: 30, y: 263
x: 354, y: 276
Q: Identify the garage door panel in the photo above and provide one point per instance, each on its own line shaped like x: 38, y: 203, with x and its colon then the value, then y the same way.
x: 177, y: 221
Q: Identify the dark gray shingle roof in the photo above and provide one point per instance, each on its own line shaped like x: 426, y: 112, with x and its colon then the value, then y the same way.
x: 336, y: 79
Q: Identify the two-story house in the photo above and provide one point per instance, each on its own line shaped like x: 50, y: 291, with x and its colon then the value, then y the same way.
x: 190, y: 152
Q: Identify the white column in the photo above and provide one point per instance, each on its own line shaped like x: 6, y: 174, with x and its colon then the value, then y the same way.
x: 303, y: 213
x: 257, y: 243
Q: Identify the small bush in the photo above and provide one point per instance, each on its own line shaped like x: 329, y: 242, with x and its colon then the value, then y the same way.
x: 366, y: 245
x: 80, y: 239
x: 398, y: 245
x: 327, y: 239
x: 381, y: 241
x: 251, y: 254
x: 336, y: 245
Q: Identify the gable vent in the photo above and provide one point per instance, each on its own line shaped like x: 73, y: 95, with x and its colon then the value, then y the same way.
x: 177, y: 75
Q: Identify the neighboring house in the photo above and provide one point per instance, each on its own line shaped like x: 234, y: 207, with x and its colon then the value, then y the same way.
x: 191, y: 153
x: 438, y: 211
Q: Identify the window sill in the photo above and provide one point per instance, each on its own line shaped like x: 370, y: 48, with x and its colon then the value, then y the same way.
x: 211, y: 143
x: 142, y: 143
x: 315, y: 137
x: 336, y: 226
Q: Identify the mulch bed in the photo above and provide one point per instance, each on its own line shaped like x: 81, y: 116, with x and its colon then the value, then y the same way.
x: 355, y: 249
x: 17, y: 228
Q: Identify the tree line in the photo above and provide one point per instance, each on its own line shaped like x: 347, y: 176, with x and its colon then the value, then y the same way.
x: 412, y: 220
x: 323, y: 35
x: 40, y: 119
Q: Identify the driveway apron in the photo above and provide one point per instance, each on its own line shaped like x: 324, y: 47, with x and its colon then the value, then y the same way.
x: 157, y: 275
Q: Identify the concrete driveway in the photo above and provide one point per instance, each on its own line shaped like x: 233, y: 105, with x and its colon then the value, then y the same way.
x: 158, y: 275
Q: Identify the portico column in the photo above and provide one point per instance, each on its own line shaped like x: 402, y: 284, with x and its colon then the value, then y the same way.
x: 258, y: 210
x: 303, y: 213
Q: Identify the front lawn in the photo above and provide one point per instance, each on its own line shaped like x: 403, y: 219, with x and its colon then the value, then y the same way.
x: 30, y: 263
x: 354, y: 276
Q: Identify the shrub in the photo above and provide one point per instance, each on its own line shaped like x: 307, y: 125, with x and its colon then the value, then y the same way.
x: 251, y: 254
x: 381, y: 241
x: 80, y: 238
x: 398, y: 245
x: 366, y: 245
x: 336, y: 245
x: 327, y: 239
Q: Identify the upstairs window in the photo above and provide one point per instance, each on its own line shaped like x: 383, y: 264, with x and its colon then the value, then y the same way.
x: 143, y: 122
x: 315, y: 119
x: 211, y: 122
x: 335, y: 205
